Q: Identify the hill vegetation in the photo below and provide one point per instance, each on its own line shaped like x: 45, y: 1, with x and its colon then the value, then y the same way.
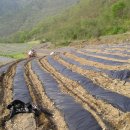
x: 87, y: 19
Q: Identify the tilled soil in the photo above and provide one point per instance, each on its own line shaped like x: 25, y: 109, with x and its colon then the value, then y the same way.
x: 100, y: 79
x: 99, y: 65
x: 107, y: 115
x: 103, y: 57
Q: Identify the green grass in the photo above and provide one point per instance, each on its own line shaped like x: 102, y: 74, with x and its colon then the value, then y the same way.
x: 15, y: 56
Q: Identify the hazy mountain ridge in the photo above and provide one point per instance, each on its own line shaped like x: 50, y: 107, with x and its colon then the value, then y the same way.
x: 16, y: 15
x: 8, y: 7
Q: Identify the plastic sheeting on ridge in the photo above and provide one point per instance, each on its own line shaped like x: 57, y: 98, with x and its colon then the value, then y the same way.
x: 115, y: 74
x: 118, y: 51
x: 71, y: 61
x: 120, y: 74
x: 6, y: 59
x: 4, y: 68
x: 20, y: 90
x: 125, y: 52
x: 107, y: 55
x: 100, y: 60
x: 119, y: 101
x: 76, y: 117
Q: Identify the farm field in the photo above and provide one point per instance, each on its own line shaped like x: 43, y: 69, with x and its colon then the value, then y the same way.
x: 73, y: 89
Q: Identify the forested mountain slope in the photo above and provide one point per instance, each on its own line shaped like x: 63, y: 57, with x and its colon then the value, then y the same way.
x: 17, y: 15
x: 86, y: 19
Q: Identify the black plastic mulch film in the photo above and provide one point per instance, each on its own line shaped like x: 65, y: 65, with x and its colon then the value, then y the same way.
x: 71, y: 61
x: 115, y: 48
x: 100, y: 60
x: 76, y: 117
x: 115, y: 74
x: 119, y: 74
x: 20, y: 89
x: 4, y: 68
x: 119, y: 101
x: 118, y: 51
x: 107, y: 55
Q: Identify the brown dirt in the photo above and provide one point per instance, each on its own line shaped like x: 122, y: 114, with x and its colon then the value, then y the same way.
x: 1, y: 99
x: 22, y: 122
x: 1, y: 88
x: 7, y: 92
x: 103, y: 40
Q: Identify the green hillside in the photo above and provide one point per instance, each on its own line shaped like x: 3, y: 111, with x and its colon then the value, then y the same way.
x: 87, y: 19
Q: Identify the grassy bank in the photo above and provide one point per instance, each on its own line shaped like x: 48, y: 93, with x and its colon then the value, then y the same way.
x: 15, y: 56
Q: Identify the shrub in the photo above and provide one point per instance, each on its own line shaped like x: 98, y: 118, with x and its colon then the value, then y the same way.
x: 115, y: 30
x: 118, y: 9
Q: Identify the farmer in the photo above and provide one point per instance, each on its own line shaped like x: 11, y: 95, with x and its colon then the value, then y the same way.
x: 32, y: 53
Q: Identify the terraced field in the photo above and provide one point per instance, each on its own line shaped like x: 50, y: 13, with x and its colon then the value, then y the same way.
x: 73, y: 89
